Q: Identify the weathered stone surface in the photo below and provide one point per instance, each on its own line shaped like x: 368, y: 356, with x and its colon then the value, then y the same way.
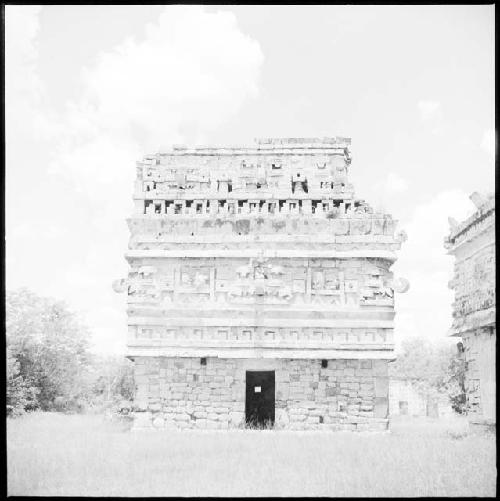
x: 381, y: 407
x: 258, y: 258
x: 142, y: 420
x: 309, y: 408
x: 158, y: 422
x: 472, y: 242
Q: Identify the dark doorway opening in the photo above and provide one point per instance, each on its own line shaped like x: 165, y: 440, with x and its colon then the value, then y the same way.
x: 403, y: 407
x: 259, y: 405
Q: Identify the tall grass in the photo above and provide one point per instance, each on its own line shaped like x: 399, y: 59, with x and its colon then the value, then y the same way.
x: 55, y: 454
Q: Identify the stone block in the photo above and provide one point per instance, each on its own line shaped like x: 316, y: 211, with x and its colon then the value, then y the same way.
x: 282, y: 418
x: 318, y: 412
x: 381, y: 386
x: 236, y: 418
x: 381, y: 407
x: 140, y: 405
x: 201, y: 423
x: 312, y: 420
x: 379, y: 367
x: 332, y: 391
x: 364, y: 427
x: 379, y: 426
x: 347, y: 426
x: 366, y: 414
x: 170, y: 424
x: 158, y: 422
x: 143, y: 420
x: 141, y: 379
x: 239, y: 406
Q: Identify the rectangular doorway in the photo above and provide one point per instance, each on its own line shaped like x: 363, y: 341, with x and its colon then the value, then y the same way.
x: 403, y: 408
x: 259, y: 404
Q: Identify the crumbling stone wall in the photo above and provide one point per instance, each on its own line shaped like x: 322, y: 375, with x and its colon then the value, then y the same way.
x: 182, y: 393
x: 479, y: 354
x: 472, y: 242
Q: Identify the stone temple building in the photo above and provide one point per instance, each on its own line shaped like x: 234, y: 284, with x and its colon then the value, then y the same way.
x: 472, y: 242
x: 407, y: 398
x: 259, y: 289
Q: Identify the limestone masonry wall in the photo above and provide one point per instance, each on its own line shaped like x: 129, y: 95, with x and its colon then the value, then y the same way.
x: 183, y: 393
x: 479, y: 354
x: 472, y: 243
x: 259, y: 258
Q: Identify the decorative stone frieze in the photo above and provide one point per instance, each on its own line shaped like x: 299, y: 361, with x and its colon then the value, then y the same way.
x: 241, y: 256
x: 472, y: 242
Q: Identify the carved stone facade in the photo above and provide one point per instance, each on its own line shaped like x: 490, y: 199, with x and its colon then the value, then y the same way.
x: 248, y: 259
x: 474, y: 310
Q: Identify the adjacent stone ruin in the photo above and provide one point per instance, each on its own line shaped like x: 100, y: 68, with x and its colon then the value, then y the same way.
x: 472, y: 242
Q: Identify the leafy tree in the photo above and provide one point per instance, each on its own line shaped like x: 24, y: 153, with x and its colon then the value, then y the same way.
x: 456, y: 388
x: 20, y: 395
x: 49, y: 365
x: 114, y: 379
x: 49, y: 345
x: 433, y: 369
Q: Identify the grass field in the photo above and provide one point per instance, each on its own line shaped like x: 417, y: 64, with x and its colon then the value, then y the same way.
x: 56, y: 454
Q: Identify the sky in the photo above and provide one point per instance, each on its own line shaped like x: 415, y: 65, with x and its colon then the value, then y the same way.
x: 91, y: 89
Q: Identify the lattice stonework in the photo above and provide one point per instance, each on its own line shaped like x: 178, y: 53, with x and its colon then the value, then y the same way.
x: 259, y: 266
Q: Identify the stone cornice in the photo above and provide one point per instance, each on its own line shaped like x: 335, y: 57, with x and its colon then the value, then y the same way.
x: 306, y: 311
x: 473, y: 226
x: 267, y: 195
x: 263, y: 146
x: 268, y: 253
x: 185, y: 240
x: 253, y: 353
x: 473, y: 321
x: 261, y: 322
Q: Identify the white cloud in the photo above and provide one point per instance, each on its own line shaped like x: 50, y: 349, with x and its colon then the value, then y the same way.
x: 189, y: 74
x: 394, y: 184
x: 429, y: 109
x: 21, y: 50
x: 23, y: 89
x: 385, y: 189
x: 426, y: 308
x: 488, y: 143
x: 192, y: 72
x: 431, y: 113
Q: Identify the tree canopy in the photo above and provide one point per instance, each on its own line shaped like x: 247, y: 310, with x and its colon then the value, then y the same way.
x: 48, y: 359
x: 432, y: 368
